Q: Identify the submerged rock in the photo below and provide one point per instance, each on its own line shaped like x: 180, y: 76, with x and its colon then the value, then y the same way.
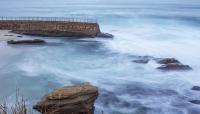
x: 174, y: 66
x: 8, y: 35
x: 78, y: 99
x: 105, y: 35
x: 142, y: 61
x: 35, y: 41
x: 167, y: 61
x: 195, y: 101
x: 20, y: 36
x: 196, y: 88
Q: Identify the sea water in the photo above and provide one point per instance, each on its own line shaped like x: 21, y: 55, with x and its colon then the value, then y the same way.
x: 161, y: 30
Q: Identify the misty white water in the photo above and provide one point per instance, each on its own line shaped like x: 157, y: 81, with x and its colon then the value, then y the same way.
x: 125, y: 87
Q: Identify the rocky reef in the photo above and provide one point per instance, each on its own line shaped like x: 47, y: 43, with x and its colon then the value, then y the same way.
x: 167, y: 64
x: 78, y: 99
x: 174, y: 66
x: 34, y: 41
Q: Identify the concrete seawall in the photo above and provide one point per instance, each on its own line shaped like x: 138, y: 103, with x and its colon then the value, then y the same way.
x: 51, y: 27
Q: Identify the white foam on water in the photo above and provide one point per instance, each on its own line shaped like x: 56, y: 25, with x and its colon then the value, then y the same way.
x: 173, y: 40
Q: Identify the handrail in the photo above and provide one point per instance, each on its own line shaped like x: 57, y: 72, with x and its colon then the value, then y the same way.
x: 59, y: 19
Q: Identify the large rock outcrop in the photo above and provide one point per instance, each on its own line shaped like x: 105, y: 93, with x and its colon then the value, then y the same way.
x: 78, y: 99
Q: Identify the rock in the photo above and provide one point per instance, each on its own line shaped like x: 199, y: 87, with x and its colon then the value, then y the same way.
x: 35, y: 41
x: 105, y: 35
x: 142, y: 61
x: 20, y: 36
x: 8, y: 35
x: 167, y: 61
x: 195, y: 101
x: 196, y: 88
x: 78, y: 99
x: 174, y: 66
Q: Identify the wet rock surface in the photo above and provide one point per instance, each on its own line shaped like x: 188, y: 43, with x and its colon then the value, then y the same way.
x: 19, y: 36
x: 170, y: 64
x: 78, y: 99
x: 141, y: 61
x: 105, y: 35
x: 34, y: 41
x: 167, y: 64
x: 8, y: 35
x: 196, y: 88
x: 167, y: 61
x: 174, y: 66
x: 195, y: 102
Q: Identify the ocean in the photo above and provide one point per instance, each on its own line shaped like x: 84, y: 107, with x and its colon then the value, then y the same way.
x: 156, y: 30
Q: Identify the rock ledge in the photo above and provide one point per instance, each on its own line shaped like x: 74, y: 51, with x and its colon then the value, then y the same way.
x: 78, y: 99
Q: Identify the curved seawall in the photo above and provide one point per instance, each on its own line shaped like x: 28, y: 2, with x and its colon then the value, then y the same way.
x: 51, y: 26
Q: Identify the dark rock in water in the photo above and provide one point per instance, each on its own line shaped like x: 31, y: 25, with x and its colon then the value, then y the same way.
x: 20, y: 36
x: 142, y: 61
x: 35, y: 41
x: 8, y: 35
x: 195, y: 101
x: 78, y: 99
x: 105, y: 35
x: 196, y: 88
x: 167, y: 61
x: 174, y: 66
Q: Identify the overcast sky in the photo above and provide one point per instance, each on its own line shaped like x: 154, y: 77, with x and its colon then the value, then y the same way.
x: 109, y: 1
x: 135, y: 1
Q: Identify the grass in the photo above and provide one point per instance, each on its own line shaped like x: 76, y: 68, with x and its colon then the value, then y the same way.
x: 19, y: 107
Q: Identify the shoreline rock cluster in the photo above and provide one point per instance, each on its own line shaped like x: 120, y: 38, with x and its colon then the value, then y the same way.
x: 171, y: 64
x: 77, y: 99
x: 167, y: 64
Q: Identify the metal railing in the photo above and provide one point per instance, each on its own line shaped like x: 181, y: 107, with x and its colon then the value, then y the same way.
x: 57, y: 19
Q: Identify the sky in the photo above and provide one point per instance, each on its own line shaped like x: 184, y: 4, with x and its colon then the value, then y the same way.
x: 8, y: 2
x: 132, y: 1
x: 146, y: 1
x: 116, y: 1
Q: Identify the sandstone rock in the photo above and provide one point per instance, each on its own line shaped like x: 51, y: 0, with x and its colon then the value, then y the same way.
x: 174, y: 66
x: 35, y: 41
x: 196, y: 88
x: 167, y: 61
x: 195, y: 101
x: 78, y: 99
